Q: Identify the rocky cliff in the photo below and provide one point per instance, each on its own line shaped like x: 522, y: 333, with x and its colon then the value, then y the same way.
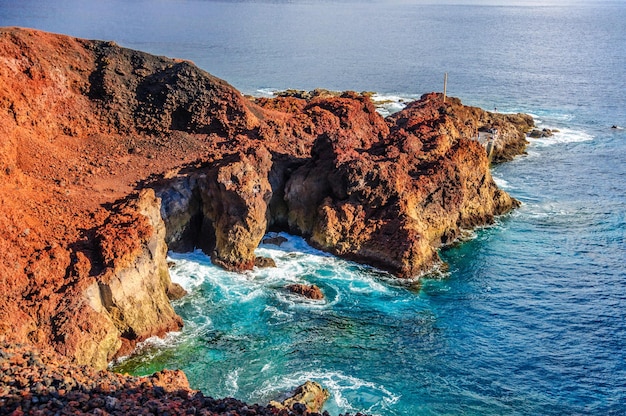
x: 108, y: 155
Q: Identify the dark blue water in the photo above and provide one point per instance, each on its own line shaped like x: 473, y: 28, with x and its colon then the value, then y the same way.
x: 530, y: 318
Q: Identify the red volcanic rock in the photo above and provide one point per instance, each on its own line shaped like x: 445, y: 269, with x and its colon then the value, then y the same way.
x: 236, y: 194
x: 391, y: 200
x: 308, y: 291
x: 82, y: 123
x: 85, y: 124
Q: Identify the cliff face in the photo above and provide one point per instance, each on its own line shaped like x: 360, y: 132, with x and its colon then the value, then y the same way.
x: 89, y: 129
x: 393, y: 199
x: 134, y: 284
x: 78, y: 273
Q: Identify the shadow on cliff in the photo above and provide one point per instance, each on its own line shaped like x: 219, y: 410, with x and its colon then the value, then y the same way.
x: 188, y: 196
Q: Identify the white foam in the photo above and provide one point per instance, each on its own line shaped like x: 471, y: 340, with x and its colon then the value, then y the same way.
x: 503, y: 184
x: 188, y: 270
x: 292, y: 244
x: 276, y: 313
x: 366, y: 286
x: 564, y: 135
x: 171, y: 338
x: 297, y: 263
x: 338, y: 384
x: 256, y: 293
x: 266, y: 92
x: 296, y: 258
x: 232, y: 382
x: 389, y: 104
x: 152, y: 346
x: 264, y: 288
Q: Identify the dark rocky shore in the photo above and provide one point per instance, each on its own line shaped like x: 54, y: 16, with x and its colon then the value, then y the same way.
x: 109, y: 157
x: 38, y: 383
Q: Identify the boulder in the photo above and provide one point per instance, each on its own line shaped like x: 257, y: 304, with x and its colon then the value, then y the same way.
x: 264, y: 262
x: 175, y: 291
x: 308, y: 291
x: 538, y: 134
x: 311, y: 395
x: 277, y: 241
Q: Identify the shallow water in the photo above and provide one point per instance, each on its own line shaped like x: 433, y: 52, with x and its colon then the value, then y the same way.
x: 530, y: 317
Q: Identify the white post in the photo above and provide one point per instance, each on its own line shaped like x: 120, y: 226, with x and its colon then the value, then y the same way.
x: 445, y: 85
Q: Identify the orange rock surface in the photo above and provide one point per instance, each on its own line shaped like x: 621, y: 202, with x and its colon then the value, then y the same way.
x: 89, y: 129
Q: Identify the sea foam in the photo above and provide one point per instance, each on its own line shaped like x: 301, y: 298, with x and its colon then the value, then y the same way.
x: 343, y: 389
x: 502, y: 183
x: 389, y: 104
x: 564, y: 135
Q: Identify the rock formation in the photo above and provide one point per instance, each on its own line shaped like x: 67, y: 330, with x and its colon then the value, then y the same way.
x: 538, y: 134
x: 110, y: 155
x: 308, y: 291
x: 390, y: 195
x: 309, y: 396
x: 277, y: 241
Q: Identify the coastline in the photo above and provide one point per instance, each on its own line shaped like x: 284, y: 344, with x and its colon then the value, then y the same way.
x: 42, y: 383
x: 224, y: 170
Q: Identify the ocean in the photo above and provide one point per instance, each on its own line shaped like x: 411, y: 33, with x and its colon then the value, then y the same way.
x: 529, y: 317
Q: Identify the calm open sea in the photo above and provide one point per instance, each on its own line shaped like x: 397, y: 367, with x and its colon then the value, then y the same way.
x: 529, y: 320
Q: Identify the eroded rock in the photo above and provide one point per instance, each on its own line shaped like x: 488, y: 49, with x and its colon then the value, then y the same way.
x: 311, y: 395
x: 276, y: 241
x: 134, y: 285
x: 391, y: 196
x: 264, y: 262
x: 236, y: 195
x: 538, y: 134
x: 308, y: 291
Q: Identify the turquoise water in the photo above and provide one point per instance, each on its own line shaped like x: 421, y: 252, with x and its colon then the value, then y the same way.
x: 528, y: 320
x: 491, y: 336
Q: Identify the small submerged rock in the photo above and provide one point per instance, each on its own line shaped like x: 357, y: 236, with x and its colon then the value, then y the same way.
x: 276, y: 241
x: 308, y: 291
